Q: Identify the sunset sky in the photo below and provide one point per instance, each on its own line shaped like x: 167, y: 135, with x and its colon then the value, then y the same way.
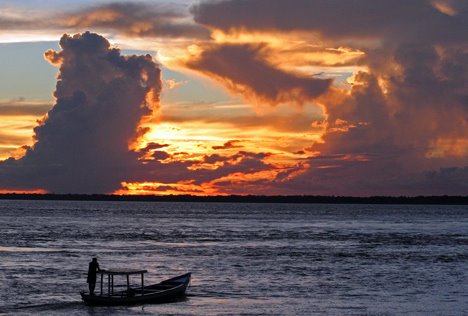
x: 269, y: 97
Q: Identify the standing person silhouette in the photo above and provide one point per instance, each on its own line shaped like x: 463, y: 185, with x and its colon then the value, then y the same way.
x: 93, y: 268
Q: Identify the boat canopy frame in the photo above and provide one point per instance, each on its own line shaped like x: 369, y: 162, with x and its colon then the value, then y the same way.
x: 110, y: 279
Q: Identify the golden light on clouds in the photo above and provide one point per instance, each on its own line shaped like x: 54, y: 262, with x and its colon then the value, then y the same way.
x: 15, y: 132
x: 293, y: 51
x: 150, y: 188
x: 251, y: 97
x: 198, y: 137
x: 444, y: 7
x: 242, y: 37
x: 448, y: 147
x: 101, y: 15
x: 243, y: 182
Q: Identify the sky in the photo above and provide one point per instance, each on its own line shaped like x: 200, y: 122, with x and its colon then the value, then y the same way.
x: 264, y: 97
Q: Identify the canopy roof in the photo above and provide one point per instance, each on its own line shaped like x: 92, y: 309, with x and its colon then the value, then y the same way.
x: 122, y: 271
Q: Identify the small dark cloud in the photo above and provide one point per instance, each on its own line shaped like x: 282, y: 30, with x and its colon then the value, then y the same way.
x: 160, y: 155
x: 212, y: 159
x: 153, y: 146
x: 228, y: 145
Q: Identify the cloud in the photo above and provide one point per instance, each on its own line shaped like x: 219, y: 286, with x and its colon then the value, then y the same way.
x: 228, y: 145
x: 8, y: 139
x: 136, y: 19
x: 406, y: 114
x: 152, y: 146
x: 22, y: 107
x: 396, y: 128
x: 198, y: 175
x: 81, y: 145
x: 400, y: 127
x: 160, y: 155
x: 343, y: 179
x: 243, y: 69
x: 340, y: 19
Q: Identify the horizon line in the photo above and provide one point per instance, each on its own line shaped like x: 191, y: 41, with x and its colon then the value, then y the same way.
x: 298, y: 199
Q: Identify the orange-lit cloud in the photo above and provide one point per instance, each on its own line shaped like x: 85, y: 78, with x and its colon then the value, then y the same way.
x: 395, y: 115
x: 381, y: 89
x: 243, y: 69
x: 136, y: 19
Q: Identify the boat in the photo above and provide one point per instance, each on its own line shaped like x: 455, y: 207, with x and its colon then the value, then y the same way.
x: 169, y: 290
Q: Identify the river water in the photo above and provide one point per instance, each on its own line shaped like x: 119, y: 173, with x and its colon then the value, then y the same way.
x: 245, y: 259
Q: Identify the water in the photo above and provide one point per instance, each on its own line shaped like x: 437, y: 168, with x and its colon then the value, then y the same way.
x: 246, y: 259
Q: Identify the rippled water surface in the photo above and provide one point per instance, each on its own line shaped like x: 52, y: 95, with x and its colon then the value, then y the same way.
x: 246, y: 259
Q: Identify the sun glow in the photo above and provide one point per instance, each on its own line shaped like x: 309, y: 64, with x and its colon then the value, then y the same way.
x: 16, y: 131
x: 159, y: 188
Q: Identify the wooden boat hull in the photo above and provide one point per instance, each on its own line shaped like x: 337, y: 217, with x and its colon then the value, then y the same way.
x: 167, y: 291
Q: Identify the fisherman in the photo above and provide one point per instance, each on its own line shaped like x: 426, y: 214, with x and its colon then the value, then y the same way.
x: 93, y: 268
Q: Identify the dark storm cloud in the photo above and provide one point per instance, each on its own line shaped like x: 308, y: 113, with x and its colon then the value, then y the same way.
x: 243, y: 69
x: 82, y: 144
x: 405, y: 116
x: 399, y: 130
x: 346, y: 178
x: 394, y: 133
x: 340, y: 19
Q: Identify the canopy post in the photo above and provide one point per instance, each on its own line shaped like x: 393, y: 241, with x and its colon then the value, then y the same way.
x: 128, y: 283
x: 102, y: 280
x: 142, y: 284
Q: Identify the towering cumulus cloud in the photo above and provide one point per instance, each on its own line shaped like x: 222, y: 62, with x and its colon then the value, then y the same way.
x: 82, y: 145
x: 403, y: 126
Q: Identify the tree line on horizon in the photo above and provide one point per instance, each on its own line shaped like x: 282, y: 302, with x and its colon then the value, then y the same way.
x: 440, y: 200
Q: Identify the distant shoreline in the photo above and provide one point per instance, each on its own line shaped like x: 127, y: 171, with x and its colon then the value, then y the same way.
x: 297, y: 199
